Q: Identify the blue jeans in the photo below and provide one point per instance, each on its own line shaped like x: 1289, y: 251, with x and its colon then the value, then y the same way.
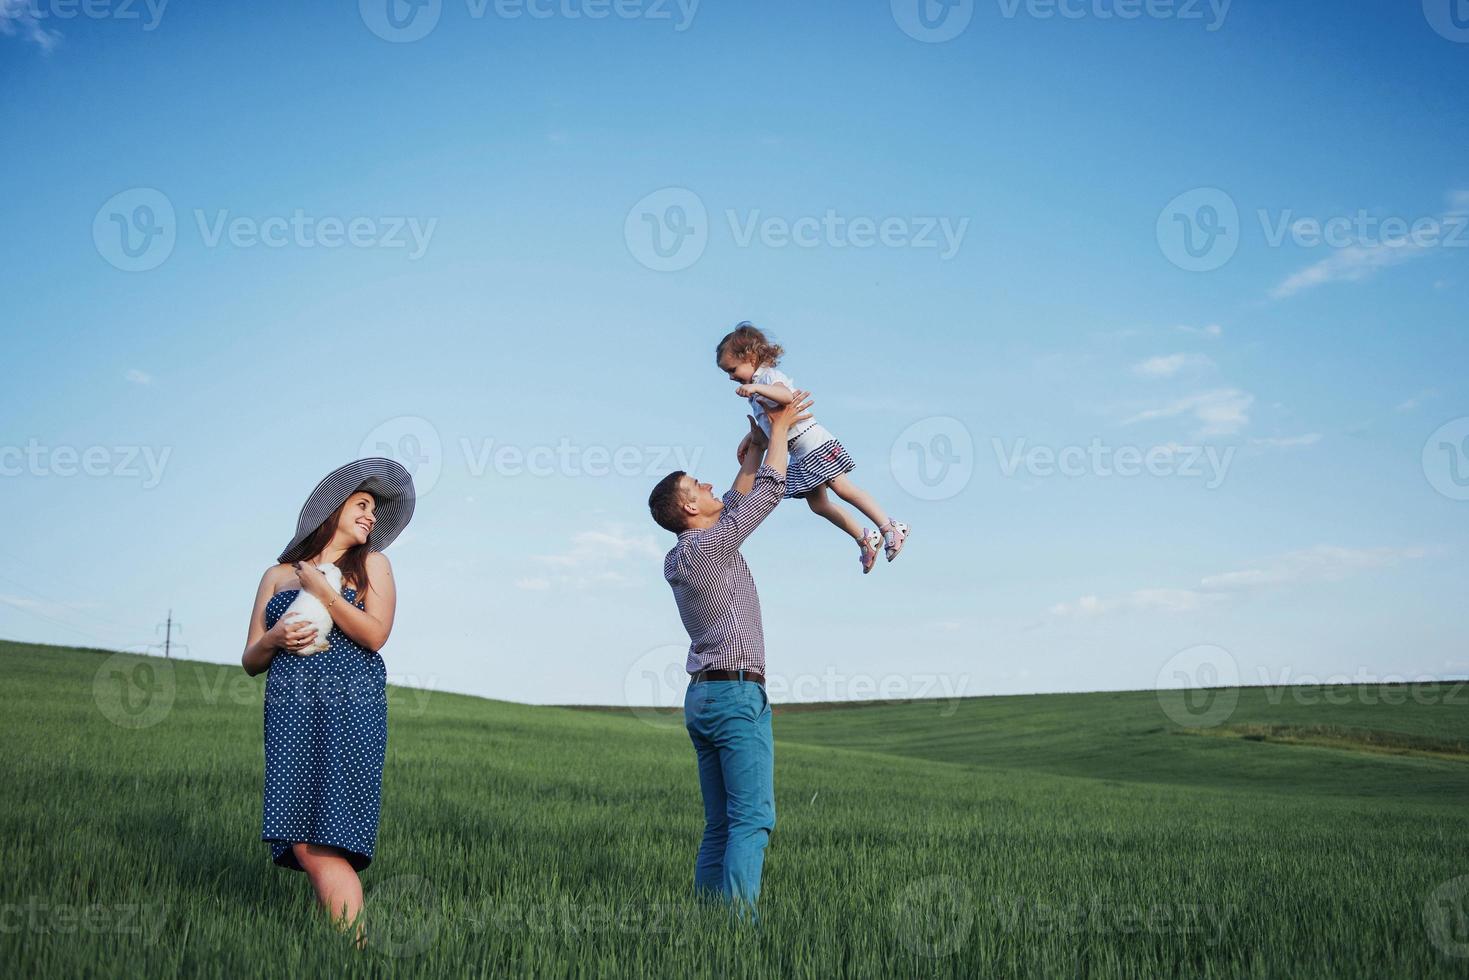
x: 729, y: 722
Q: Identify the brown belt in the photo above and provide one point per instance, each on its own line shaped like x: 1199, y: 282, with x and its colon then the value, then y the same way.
x: 727, y: 675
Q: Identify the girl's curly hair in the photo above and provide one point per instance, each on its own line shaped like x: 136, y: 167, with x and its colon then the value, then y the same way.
x: 748, y: 342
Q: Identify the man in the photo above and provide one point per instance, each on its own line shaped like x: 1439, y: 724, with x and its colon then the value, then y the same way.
x: 726, y: 709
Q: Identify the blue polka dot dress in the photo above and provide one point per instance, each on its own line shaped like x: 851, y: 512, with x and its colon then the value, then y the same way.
x: 326, y: 732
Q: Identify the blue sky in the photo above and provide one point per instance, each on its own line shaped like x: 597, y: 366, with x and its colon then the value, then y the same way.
x: 503, y: 177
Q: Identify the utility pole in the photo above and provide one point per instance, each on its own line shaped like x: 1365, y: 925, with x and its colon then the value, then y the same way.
x: 167, y: 628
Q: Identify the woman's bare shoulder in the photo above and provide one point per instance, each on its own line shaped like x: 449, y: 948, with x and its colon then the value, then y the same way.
x: 275, y: 575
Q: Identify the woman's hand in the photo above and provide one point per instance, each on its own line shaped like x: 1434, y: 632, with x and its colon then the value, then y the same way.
x: 314, y: 581
x: 292, y: 635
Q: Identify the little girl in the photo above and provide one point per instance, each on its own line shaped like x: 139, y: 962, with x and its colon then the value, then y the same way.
x: 817, y: 459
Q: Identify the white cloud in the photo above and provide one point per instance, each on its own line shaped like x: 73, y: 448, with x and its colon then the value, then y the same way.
x: 43, y: 607
x: 1351, y: 264
x: 1221, y: 412
x: 1324, y: 563
x: 1141, y: 600
x: 1287, y: 442
x: 1209, y: 330
x: 596, y: 557
x: 1167, y: 365
x: 139, y: 377
x: 1365, y: 259
x: 1410, y: 404
x: 17, y: 17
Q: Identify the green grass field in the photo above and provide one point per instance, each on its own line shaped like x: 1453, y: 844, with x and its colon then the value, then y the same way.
x: 1317, y: 834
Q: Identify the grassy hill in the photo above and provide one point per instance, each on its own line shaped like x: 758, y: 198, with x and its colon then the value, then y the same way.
x: 1065, y: 835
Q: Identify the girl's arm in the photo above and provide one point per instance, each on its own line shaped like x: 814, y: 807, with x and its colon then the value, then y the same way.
x: 371, y: 626
x: 777, y: 393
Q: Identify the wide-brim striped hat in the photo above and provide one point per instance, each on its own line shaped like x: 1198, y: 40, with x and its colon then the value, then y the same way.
x: 390, y: 485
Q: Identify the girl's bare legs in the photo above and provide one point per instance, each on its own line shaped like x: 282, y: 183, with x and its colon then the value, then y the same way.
x: 867, y: 541
x: 893, y: 533
x: 821, y: 504
x: 858, y: 498
x: 338, y: 888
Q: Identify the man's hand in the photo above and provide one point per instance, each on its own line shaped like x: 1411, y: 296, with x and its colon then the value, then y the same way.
x: 798, y: 409
x: 753, y: 440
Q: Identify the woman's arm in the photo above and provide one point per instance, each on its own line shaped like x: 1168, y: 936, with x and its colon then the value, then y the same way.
x: 261, y: 644
x: 368, y: 627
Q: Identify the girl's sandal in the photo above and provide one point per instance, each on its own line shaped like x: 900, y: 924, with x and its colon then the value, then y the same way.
x: 869, y: 543
x: 894, y: 534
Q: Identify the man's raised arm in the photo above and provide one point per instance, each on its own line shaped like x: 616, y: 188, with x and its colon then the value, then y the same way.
x: 757, y: 488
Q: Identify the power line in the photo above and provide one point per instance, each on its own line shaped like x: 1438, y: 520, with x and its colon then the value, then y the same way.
x: 168, y: 627
x: 95, y: 619
x: 11, y: 603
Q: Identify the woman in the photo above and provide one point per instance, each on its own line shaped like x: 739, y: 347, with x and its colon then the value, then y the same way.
x: 326, y: 716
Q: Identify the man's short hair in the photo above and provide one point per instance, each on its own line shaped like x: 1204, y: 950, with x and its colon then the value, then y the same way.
x: 666, y: 503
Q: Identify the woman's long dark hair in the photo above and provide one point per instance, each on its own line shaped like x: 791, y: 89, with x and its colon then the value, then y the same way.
x: 353, y: 562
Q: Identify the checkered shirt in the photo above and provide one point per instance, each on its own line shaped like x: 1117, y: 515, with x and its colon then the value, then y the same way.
x: 712, y: 584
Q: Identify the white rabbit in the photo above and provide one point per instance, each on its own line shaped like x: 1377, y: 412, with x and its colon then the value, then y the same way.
x: 311, y: 609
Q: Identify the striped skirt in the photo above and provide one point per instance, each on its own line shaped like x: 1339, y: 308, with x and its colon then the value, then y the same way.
x: 813, y: 469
